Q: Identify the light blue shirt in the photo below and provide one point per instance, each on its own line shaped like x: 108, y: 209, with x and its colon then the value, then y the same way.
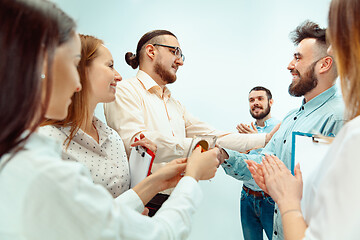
x: 323, y: 114
x: 269, y: 125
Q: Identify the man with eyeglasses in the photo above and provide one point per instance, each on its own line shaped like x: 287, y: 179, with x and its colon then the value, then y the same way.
x: 313, y: 77
x: 145, y: 105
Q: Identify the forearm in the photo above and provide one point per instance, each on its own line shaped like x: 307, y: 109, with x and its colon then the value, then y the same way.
x: 242, y: 142
x: 147, y: 189
x: 168, y: 148
x: 293, y: 222
x: 236, y: 167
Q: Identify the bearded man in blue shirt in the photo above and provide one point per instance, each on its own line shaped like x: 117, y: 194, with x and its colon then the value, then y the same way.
x: 257, y: 208
x: 322, y: 112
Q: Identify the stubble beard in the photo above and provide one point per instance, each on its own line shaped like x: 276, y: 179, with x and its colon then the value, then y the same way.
x: 164, y: 74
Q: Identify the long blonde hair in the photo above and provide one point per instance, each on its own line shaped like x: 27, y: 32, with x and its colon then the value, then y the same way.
x: 344, y: 34
x: 79, y: 107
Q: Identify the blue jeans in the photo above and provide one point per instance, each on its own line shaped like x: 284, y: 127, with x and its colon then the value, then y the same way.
x: 257, y: 213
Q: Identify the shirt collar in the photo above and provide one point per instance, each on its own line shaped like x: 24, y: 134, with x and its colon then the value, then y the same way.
x: 318, y: 101
x: 102, y: 129
x: 151, y: 86
x: 266, y: 123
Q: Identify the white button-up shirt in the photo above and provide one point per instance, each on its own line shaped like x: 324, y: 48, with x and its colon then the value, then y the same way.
x: 43, y: 197
x: 106, y: 160
x: 141, y: 106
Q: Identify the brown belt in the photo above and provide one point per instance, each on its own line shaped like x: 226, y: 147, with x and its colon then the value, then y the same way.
x: 255, y: 193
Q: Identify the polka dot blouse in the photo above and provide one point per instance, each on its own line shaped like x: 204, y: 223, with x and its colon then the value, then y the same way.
x: 106, y: 160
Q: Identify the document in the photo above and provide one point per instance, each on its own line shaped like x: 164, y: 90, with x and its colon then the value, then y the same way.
x: 308, y: 150
x: 140, y: 164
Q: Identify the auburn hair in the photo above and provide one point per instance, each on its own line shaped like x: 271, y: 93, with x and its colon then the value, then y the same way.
x: 344, y: 36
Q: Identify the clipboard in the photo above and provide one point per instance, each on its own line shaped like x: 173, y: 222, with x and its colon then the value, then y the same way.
x: 140, y: 164
x: 308, y: 150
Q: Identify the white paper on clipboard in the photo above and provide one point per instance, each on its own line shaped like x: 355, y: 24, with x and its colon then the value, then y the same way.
x: 140, y: 164
x: 308, y: 150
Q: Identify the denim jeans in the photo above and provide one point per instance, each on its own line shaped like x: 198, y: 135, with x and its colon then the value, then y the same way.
x: 256, y: 214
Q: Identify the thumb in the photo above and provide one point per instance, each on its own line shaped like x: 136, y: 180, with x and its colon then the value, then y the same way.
x: 253, y: 125
x: 196, y: 151
x: 298, y: 173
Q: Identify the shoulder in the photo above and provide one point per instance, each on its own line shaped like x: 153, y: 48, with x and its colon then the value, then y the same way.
x: 336, y: 106
x: 53, y: 132
x: 129, y: 84
x: 352, y: 127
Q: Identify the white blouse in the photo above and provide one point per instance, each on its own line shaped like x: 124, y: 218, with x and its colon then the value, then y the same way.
x: 106, y: 160
x: 43, y: 197
x: 332, y: 194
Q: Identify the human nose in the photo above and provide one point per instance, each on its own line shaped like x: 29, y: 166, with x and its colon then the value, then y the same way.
x: 291, y: 65
x: 78, y: 86
x: 256, y: 102
x: 179, y: 61
x: 117, y: 76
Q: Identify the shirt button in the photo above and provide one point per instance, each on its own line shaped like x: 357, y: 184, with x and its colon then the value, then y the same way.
x: 284, y: 141
x: 275, y: 232
x: 295, y: 118
x: 276, y: 211
x: 302, y: 108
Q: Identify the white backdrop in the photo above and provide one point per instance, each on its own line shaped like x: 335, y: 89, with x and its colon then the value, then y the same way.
x: 230, y: 47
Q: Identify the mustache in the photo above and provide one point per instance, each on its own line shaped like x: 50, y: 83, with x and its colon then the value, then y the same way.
x: 260, y: 107
x: 292, y: 71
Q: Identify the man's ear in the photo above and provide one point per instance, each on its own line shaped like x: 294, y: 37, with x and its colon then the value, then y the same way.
x: 150, y: 51
x: 271, y: 101
x: 326, y: 64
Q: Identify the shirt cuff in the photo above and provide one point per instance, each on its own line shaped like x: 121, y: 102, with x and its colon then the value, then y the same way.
x: 190, y: 187
x: 132, y: 200
x: 187, y: 143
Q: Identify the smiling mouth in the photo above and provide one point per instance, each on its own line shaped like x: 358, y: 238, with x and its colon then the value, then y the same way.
x: 175, y: 67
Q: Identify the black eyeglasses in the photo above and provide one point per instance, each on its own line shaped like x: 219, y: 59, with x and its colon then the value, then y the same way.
x: 178, y: 53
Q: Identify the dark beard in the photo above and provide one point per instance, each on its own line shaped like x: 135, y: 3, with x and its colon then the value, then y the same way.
x: 165, y: 75
x: 263, y: 114
x: 305, y: 84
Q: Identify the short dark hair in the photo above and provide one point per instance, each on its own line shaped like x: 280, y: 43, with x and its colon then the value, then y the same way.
x: 308, y: 29
x: 261, y: 88
x: 30, y: 31
x: 134, y: 59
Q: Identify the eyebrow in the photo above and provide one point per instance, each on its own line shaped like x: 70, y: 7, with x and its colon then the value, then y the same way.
x: 257, y: 96
x: 297, y: 54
